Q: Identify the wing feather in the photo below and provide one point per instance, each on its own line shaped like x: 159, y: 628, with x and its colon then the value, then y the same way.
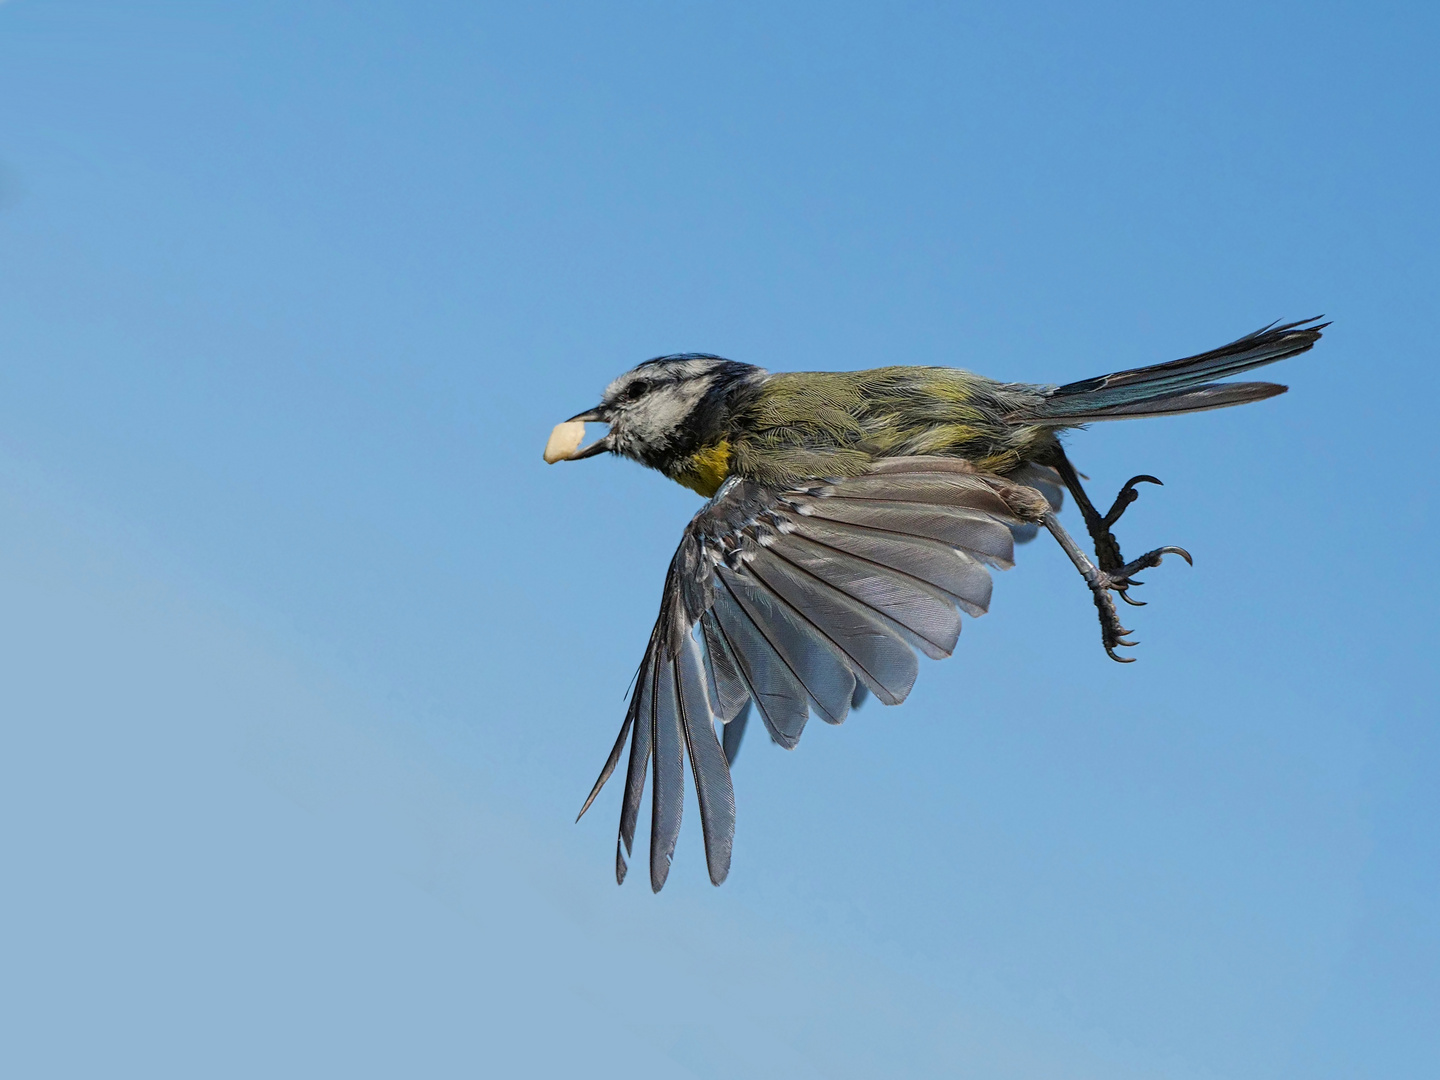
x: 804, y: 598
x: 707, y: 762
x: 874, y: 653
x: 975, y: 531
x: 667, y: 798
x: 610, y: 762
x: 730, y: 689
x: 957, y: 490
x: 637, y: 767
x: 923, y: 614
x: 735, y: 734
x: 777, y: 694
x: 948, y: 569
x: 815, y: 664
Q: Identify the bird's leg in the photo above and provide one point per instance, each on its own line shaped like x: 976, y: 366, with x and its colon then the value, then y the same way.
x: 1102, y: 582
x: 1107, y: 548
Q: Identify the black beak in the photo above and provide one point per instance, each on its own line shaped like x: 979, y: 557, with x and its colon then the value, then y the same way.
x: 599, y: 446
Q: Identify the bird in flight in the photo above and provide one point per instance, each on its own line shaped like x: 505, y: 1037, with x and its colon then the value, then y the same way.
x: 851, y: 518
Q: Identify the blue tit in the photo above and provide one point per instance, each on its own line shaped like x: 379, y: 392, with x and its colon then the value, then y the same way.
x: 851, y: 518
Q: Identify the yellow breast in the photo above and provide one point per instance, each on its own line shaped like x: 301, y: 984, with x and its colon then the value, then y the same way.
x: 707, y: 469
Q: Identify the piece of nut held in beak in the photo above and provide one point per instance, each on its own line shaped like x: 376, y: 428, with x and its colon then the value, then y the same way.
x: 564, y: 441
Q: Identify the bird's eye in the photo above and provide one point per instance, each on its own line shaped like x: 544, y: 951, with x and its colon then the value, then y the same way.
x: 636, y: 390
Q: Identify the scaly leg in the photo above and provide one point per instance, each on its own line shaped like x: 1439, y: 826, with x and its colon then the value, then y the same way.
x: 1107, y: 548
x: 1102, y: 582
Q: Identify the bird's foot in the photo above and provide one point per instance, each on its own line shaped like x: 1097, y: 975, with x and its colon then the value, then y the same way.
x: 1113, y: 576
x: 1107, y: 548
x: 1103, y: 582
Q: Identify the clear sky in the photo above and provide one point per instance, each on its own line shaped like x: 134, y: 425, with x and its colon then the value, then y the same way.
x: 307, y: 661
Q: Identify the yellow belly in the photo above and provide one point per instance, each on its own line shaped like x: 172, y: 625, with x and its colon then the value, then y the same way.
x: 707, y: 469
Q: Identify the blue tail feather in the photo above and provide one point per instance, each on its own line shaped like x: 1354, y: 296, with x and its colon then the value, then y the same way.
x: 1186, y: 385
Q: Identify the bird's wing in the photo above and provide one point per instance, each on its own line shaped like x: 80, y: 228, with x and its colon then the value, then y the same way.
x: 790, y: 598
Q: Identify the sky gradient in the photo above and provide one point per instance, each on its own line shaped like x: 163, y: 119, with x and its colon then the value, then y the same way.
x: 307, y: 660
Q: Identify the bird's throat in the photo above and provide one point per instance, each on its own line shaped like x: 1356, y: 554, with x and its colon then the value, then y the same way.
x: 706, y: 469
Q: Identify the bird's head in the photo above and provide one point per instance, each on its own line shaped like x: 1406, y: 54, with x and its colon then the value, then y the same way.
x: 660, y: 412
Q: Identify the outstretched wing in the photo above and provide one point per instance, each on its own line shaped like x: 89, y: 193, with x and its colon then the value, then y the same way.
x: 789, y: 599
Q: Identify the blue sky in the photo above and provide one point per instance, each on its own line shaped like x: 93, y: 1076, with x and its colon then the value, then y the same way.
x: 307, y: 660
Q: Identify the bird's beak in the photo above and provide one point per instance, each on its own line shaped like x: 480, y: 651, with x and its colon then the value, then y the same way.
x: 565, y: 440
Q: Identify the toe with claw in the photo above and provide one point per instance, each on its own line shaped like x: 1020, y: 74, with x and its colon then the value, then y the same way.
x: 1117, y: 581
x: 1107, y: 548
x: 1127, y: 495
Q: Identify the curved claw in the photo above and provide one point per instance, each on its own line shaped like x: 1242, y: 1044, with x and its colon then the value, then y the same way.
x: 1119, y: 659
x: 1148, y: 561
x: 1126, y: 597
x: 1143, y: 478
x: 1176, y: 551
x: 1123, y: 499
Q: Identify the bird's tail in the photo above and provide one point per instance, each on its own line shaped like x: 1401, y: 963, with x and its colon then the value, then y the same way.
x: 1180, y: 386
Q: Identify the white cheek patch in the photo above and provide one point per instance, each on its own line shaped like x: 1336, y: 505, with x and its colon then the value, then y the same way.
x: 664, y: 412
x: 564, y: 441
x: 662, y: 415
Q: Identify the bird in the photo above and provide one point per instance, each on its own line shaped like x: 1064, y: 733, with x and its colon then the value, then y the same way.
x: 850, y: 518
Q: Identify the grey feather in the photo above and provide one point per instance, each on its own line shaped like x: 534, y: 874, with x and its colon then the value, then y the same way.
x: 973, y: 530
x: 810, y: 658
x: 953, y: 571
x: 707, y: 762
x: 735, y: 734
x: 610, y: 762
x: 924, y: 612
x: 667, y: 797
x: 727, y: 685
x: 874, y: 653
x: 956, y: 489
x: 777, y: 693
x: 640, y: 739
